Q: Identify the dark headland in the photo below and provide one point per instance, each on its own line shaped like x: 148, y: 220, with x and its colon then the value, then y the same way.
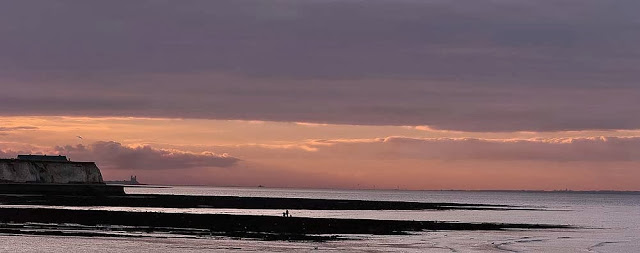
x: 38, y: 181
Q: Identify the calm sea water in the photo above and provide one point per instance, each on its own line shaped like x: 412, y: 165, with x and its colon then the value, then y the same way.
x: 609, y: 223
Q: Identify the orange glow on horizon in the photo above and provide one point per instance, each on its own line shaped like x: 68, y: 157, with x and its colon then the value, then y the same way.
x: 295, y: 154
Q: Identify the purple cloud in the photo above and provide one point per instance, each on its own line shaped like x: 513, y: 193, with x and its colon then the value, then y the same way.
x: 113, y: 155
x: 462, y: 65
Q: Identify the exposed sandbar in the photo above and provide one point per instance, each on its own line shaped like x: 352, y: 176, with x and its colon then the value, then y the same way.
x: 180, y: 201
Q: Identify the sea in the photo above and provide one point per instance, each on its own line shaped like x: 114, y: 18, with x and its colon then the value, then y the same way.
x: 605, y: 221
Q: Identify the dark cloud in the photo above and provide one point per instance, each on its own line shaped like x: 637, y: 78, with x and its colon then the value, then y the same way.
x: 4, y: 154
x: 113, y: 155
x: 463, y: 65
x: 12, y: 153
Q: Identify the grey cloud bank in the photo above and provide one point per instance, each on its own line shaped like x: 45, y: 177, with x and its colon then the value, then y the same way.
x: 461, y: 65
x: 580, y: 149
x: 113, y: 155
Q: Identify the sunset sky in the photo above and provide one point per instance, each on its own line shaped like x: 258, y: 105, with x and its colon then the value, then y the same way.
x: 408, y: 94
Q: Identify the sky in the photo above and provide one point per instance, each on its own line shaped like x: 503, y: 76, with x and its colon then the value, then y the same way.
x: 368, y: 94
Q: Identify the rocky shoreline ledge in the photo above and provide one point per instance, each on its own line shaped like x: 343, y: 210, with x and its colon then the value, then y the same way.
x: 251, y: 226
x: 182, y: 201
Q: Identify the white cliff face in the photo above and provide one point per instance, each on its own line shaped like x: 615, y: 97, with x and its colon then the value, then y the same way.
x: 20, y: 171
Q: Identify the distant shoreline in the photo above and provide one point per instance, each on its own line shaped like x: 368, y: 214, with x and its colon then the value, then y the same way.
x: 409, y: 190
x: 139, y: 185
x: 548, y: 191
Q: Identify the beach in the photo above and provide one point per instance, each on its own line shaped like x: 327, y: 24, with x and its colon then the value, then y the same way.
x: 495, y: 221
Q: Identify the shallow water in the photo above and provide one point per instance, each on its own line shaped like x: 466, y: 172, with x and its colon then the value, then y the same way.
x: 610, y: 223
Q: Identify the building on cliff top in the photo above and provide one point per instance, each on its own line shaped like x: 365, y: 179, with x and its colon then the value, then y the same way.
x: 47, y: 158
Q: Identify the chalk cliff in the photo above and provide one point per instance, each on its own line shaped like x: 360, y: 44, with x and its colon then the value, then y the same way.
x: 57, y: 172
